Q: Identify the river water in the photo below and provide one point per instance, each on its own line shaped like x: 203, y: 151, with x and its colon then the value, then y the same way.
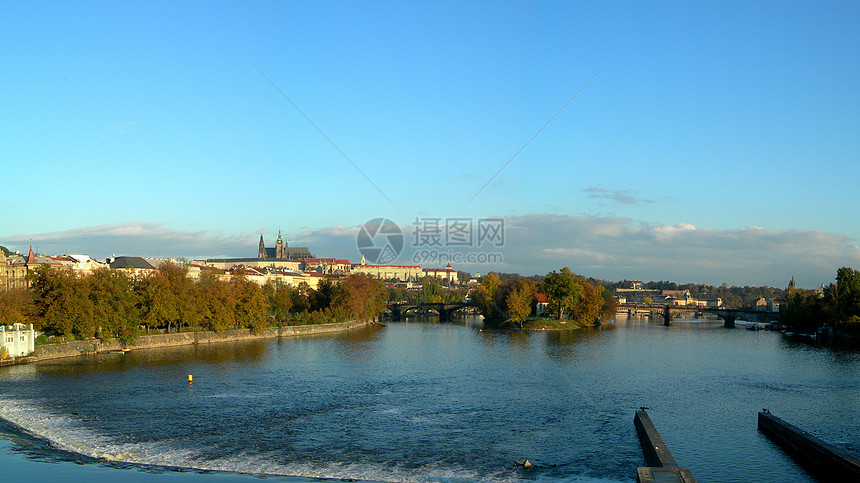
x: 427, y: 401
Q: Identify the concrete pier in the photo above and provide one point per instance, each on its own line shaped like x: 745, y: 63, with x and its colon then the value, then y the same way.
x: 661, y: 465
x: 826, y: 461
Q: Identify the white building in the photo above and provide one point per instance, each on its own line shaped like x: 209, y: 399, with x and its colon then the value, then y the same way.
x: 17, y: 340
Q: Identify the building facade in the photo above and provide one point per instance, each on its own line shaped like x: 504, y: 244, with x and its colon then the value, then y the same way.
x: 446, y: 273
x: 17, y: 340
x: 15, y: 268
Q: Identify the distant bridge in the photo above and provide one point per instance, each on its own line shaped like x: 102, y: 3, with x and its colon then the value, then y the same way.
x: 668, y: 312
x: 445, y: 311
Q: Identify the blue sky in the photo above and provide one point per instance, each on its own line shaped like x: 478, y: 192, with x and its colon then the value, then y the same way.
x: 717, y: 142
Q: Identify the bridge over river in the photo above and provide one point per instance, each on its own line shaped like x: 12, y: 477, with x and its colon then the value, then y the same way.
x: 729, y: 316
x: 445, y: 311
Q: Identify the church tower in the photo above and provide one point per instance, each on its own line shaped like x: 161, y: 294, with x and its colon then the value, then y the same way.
x: 279, y: 247
x: 261, y: 253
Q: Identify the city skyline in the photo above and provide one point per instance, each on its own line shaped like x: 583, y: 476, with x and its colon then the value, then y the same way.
x: 686, y: 142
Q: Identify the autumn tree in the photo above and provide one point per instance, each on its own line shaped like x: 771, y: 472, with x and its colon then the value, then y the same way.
x: 62, y: 301
x: 482, y: 297
x: 300, y: 297
x: 216, y: 302
x: 250, y: 305
x: 16, y: 306
x: 520, y: 299
x: 279, y: 300
x: 359, y: 296
x: 156, y: 301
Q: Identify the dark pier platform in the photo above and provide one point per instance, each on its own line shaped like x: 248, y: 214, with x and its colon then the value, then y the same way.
x: 661, y: 465
x: 824, y: 460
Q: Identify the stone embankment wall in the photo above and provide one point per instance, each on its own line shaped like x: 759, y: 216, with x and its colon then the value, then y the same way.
x: 95, y: 346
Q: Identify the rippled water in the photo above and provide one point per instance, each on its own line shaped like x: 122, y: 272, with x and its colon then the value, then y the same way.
x: 423, y: 401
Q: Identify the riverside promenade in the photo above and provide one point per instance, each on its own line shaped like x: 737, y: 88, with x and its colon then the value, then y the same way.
x: 99, y: 346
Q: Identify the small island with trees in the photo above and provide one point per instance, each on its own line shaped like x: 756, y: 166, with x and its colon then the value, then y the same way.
x: 571, y: 301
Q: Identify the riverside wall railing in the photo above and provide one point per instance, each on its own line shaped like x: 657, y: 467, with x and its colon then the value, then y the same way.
x: 153, y: 341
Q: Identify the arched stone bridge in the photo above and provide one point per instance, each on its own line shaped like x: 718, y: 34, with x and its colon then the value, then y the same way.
x: 445, y: 311
x: 729, y: 316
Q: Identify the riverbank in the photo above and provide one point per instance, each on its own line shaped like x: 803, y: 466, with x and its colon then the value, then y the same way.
x: 154, y: 341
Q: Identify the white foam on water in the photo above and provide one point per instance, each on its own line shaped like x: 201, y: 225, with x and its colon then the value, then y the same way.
x: 70, y: 434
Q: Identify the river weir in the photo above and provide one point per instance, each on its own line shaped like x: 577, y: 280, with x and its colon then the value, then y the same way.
x: 422, y: 400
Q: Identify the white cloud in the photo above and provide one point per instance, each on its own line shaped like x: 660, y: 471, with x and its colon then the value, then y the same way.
x: 610, y: 248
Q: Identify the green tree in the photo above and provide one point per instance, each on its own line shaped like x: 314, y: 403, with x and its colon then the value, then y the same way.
x: 184, y: 296
x: 562, y: 290
x: 847, y: 293
x: 320, y: 297
x: 430, y: 291
x: 62, y: 301
x: 114, y: 304
x: 463, y: 277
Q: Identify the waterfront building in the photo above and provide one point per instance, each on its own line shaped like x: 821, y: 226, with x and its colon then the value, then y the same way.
x: 541, y: 305
x: 17, y: 340
x: 446, y: 273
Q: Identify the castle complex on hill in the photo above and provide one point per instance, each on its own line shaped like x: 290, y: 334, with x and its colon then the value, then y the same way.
x: 281, y: 256
x: 281, y: 251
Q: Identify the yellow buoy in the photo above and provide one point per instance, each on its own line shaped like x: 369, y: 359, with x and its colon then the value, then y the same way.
x: 190, y: 377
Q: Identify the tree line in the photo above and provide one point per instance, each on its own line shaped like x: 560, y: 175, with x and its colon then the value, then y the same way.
x: 569, y: 296
x: 111, y: 303
x: 837, y: 307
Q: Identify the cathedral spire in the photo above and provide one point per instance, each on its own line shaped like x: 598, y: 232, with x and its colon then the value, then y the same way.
x: 261, y: 253
x: 279, y: 247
